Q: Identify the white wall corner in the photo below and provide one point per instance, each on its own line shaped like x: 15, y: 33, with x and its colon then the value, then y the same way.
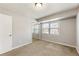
x: 16, y: 47
x: 22, y: 45
x: 77, y: 50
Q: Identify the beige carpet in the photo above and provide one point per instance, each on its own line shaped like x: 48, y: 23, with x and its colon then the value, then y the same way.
x: 42, y: 48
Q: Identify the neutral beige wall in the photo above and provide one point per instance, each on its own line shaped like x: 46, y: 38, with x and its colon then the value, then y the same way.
x: 77, y: 32
x: 21, y: 28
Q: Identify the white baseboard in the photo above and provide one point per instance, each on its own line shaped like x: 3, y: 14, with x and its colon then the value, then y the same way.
x: 77, y: 50
x: 21, y: 45
x: 5, y: 51
x: 44, y: 40
x: 62, y: 43
x: 15, y: 47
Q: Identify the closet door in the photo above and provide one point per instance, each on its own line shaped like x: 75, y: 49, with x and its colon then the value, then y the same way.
x: 5, y: 33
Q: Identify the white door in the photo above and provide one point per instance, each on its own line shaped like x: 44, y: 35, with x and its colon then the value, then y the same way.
x: 5, y: 33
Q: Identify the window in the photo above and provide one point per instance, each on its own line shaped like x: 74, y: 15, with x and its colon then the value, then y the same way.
x: 45, y: 28
x: 36, y: 28
x: 54, y: 28
x: 33, y: 29
x: 53, y: 25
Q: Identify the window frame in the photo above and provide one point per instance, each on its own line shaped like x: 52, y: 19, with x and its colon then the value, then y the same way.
x: 54, y: 28
x: 36, y: 28
x: 45, y: 28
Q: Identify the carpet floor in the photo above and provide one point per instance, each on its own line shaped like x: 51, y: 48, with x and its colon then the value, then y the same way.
x: 42, y: 48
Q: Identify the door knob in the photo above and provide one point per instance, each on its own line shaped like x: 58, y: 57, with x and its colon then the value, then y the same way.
x: 10, y: 35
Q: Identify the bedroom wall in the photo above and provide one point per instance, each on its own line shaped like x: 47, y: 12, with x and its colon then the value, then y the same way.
x: 21, y: 28
x: 77, y: 32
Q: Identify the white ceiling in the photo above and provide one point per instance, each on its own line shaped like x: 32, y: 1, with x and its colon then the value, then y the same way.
x: 28, y: 9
